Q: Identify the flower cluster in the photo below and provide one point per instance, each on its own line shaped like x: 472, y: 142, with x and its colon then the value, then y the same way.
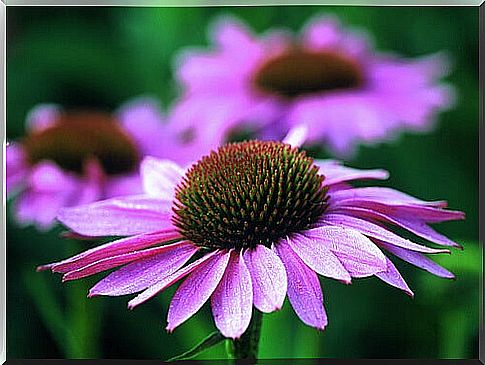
x: 261, y: 220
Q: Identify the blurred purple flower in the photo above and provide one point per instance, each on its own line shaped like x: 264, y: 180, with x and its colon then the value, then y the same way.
x: 77, y: 157
x: 330, y: 79
x: 259, y: 220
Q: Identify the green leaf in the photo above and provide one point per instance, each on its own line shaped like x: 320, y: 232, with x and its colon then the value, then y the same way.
x: 211, y: 340
x: 48, y: 307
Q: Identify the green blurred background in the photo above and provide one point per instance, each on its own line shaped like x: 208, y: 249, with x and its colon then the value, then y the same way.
x: 100, y: 57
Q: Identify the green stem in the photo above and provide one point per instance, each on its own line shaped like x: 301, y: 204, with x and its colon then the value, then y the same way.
x: 84, y: 318
x: 246, y: 347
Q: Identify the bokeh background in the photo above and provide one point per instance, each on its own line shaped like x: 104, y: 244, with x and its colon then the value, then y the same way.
x: 100, y: 57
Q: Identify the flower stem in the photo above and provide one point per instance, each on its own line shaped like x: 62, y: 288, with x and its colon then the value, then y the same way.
x: 246, y: 347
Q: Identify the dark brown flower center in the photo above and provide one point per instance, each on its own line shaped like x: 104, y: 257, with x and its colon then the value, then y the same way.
x: 298, y: 72
x: 249, y: 193
x: 77, y: 137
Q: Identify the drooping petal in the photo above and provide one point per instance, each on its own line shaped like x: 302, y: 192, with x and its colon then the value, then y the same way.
x: 232, y: 301
x: 304, y: 290
x: 373, y: 230
x: 336, y: 173
x: 394, y: 278
x: 141, y: 274
x: 160, y: 177
x: 110, y: 249
x: 210, y: 259
x: 430, y: 212
x: 142, y: 256
x: 268, y: 277
x: 417, y: 259
x: 410, y: 223
x: 381, y: 195
x: 319, y: 258
x: 196, y: 290
x: 122, y: 216
x: 358, y: 254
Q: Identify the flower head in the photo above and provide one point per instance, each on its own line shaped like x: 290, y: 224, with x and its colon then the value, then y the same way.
x: 247, y: 225
x: 76, y: 157
x: 329, y: 79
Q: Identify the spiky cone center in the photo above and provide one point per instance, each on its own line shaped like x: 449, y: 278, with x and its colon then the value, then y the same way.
x: 297, y: 72
x: 77, y: 137
x: 249, y: 193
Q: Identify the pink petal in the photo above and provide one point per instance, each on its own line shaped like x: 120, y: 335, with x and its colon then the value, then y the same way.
x: 42, y: 116
x: 115, y: 248
x: 160, y: 177
x: 319, y: 258
x: 428, y: 214
x: 381, y: 195
x: 336, y: 173
x: 123, y: 185
x: 296, y: 136
x: 410, y: 223
x: 146, y: 272
x: 16, y: 167
x: 232, y: 301
x: 358, y: 254
x: 39, y: 208
x: 322, y: 32
x: 431, y: 212
x: 142, y: 256
x: 142, y: 119
x: 94, y: 180
x: 123, y: 216
x: 373, y: 230
x: 196, y: 289
x: 394, y: 278
x: 48, y: 177
x: 210, y: 259
x: 233, y: 36
x: 48, y: 190
x: 304, y: 291
x: 417, y: 259
x: 268, y: 277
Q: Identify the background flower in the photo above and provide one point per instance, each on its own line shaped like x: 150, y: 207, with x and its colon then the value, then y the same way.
x: 328, y: 78
x: 69, y: 158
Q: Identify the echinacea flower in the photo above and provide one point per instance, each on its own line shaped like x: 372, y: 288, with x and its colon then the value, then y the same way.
x: 76, y: 157
x: 247, y: 225
x: 329, y: 78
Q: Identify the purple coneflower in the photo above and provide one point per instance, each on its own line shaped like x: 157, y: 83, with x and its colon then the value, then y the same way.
x: 247, y: 225
x: 69, y: 158
x: 329, y: 79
